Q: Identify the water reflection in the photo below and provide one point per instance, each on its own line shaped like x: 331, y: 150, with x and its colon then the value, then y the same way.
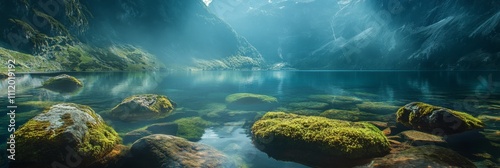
x: 203, y: 93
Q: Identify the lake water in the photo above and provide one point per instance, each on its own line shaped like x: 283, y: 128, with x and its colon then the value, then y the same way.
x: 199, y: 92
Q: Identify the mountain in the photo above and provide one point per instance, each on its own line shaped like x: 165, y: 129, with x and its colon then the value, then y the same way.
x: 109, y: 35
x: 362, y: 34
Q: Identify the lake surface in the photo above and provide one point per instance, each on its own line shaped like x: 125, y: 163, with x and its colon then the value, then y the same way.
x: 200, y: 92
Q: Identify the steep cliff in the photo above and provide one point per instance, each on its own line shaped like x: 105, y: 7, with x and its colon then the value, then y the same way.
x: 380, y: 34
x: 73, y: 35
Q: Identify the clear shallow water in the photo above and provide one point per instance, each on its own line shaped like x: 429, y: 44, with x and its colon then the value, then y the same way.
x: 199, y: 93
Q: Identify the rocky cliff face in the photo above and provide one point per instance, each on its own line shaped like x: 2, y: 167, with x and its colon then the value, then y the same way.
x: 179, y: 32
x: 381, y: 34
x: 68, y: 35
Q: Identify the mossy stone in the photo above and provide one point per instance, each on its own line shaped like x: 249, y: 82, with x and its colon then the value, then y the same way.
x: 250, y: 101
x: 315, y: 141
x: 61, y: 129
x: 143, y: 107
x: 63, y: 83
x: 309, y: 105
x: 433, y: 119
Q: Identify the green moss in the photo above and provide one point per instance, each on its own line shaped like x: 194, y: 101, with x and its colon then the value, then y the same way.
x: 143, y: 107
x: 415, y: 114
x: 27, y: 63
x: 191, y: 128
x: 250, y: 98
x: 38, y: 142
x: 328, y: 136
x: 63, y: 83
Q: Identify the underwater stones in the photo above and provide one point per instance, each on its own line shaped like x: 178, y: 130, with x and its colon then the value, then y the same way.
x: 433, y: 119
x: 250, y: 101
x: 169, y: 128
x: 348, y: 115
x: 337, y: 101
x: 423, y: 156
x: 62, y: 83
x: 61, y: 129
x: 316, y: 141
x: 421, y: 138
x: 143, y: 107
x: 191, y: 128
x: 309, y: 105
x: 377, y: 107
x: 134, y: 135
x: 159, y: 150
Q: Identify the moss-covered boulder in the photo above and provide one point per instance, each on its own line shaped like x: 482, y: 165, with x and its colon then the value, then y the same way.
x: 250, y: 101
x: 64, y: 130
x: 159, y: 150
x: 62, y: 83
x: 143, y: 107
x: 423, y: 156
x: 317, y: 141
x: 433, y: 119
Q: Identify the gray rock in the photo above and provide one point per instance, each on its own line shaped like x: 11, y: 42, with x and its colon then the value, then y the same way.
x: 159, y: 150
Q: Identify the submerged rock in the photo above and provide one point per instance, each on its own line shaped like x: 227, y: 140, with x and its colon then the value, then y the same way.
x: 169, y: 128
x: 349, y: 115
x: 421, y: 138
x: 423, y: 156
x: 169, y: 151
x: 317, y: 141
x: 377, y: 107
x: 64, y: 130
x: 191, y: 128
x: 309, y: 105
x: 250, y: 101
x: 143, y: 107
x: 132, y: 136
x: 434, y: 119
x: 337, y: 101
x: 62, y: 83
